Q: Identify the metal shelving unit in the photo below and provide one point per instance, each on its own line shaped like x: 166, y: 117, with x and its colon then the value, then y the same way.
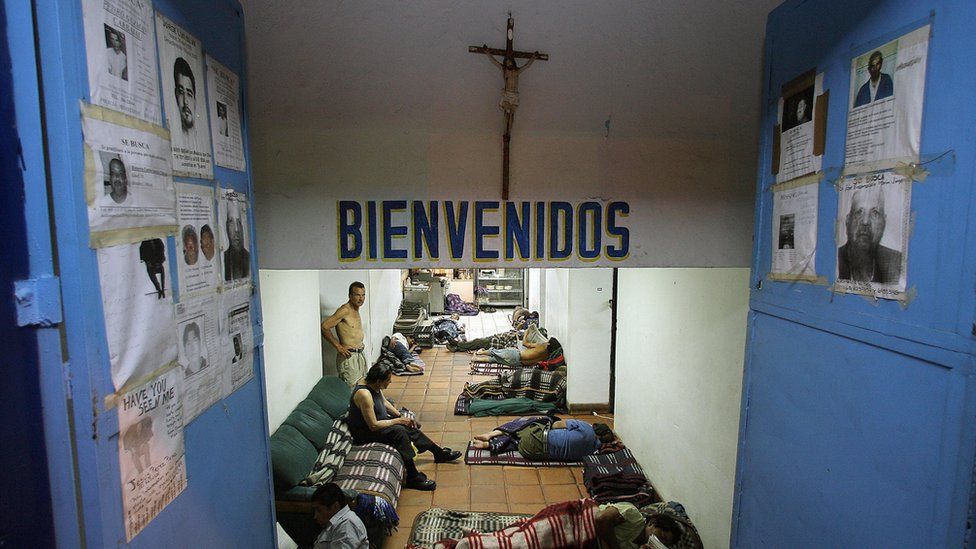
x: 506, y: 287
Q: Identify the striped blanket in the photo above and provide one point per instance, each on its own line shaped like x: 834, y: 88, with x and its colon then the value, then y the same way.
x: 566, y: 525
x: 333, y: 455
x: 489, y: 368
x: 617, y: 477
x: 438, y: 524
x: 530, y: 383
x: 373, y: 468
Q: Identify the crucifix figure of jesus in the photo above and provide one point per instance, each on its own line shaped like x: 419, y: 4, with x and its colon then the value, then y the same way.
x: 510, y: 94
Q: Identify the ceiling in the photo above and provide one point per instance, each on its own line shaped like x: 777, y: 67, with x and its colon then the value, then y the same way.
x: 653, y: 69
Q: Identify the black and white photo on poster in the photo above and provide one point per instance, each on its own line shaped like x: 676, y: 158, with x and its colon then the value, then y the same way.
x: 198, y: 262
x: 205, y: 373
x: 128, y: 182
x: 873, y: 216
x: 235, y: 241
x: 121, y: 56
x: 152, y: 462
x: 237, y: 336
x: 224, y: 94
x: 798, y: 129
x: 884, y: 121
x: 137, y: 302
x: 181, y: 66
x: 794, y: 242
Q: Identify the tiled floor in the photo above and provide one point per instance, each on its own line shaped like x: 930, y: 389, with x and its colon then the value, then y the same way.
x: 460, y: 486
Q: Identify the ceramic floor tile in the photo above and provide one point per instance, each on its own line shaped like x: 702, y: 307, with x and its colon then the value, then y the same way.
x: 450, y: 497
x: 556, y: 475
x: 560, y: 492
x: 414, y: 497
x: 529, y: 493
x: 494, y: 493
x: 487, y: 474
x: 525, y: 508
x: 520, y: 476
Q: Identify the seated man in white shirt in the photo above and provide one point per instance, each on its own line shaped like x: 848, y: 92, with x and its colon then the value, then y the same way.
x: 342, y: 529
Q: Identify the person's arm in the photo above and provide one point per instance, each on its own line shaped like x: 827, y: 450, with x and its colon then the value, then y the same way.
x: 561, y: 424
x: 331, y: 323
x: 529, y: 62
x: 606, y: 520
x: 492, y: 57
x: 390, y: 409
x: 364, y: 400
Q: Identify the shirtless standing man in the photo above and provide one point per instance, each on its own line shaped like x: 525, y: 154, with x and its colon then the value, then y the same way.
x: 350, y: 360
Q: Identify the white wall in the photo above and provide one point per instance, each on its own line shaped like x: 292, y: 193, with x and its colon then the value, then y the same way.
x: 554, y: 315
x: 534, y: 289
x: 292, y: 355
x: 587, y: 338
x: 680, y: 347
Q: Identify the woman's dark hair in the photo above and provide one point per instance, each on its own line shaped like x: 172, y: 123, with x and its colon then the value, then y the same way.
x: 378, y: 372
x: 670, y: 527
x: 603, y: 432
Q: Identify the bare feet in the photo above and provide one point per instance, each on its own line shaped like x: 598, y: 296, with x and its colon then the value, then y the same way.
x: 479, y: 444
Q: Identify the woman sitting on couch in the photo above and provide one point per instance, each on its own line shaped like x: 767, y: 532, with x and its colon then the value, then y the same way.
x: 373, y: 419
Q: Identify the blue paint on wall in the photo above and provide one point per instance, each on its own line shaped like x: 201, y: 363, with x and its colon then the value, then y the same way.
x: 26, y: 520
x: 857, y: 417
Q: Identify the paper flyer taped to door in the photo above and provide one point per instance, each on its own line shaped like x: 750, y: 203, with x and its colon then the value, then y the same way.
x: 224, y: 95
x: 198, y: 262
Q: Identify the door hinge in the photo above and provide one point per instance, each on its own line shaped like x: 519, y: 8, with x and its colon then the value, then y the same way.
x: 38, y: 301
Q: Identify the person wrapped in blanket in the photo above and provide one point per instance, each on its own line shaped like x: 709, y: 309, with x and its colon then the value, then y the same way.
x: 578, y: 523
x: 544, y: 438
x: 532, y: 353
x: 373, y: 418
x: 396, y: 351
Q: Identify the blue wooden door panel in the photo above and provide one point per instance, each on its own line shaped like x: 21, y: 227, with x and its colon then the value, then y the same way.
x: 857, y: 417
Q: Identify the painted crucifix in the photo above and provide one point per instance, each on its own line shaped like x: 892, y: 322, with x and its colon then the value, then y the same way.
x: 510, y: 94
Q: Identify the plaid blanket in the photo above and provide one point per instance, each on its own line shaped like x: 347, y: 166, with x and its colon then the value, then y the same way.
x: 616, y: 477
x: 462, y: 405
x: 489, y: 368
x: 330, y: 460
x: 373, y: 468
x: 566, y: 525
x: 436, y: 524
x: 504, y: 340
x: 399, y: 367
x: 474, y: 456
x: 530, y: 383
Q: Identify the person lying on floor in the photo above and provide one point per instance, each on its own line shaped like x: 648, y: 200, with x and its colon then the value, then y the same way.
x: 538, y: 438
x: 400, y: 347
x: 533, y: 353
x: 578, y: 523
x: 372, y: 418
x: 501, y: 340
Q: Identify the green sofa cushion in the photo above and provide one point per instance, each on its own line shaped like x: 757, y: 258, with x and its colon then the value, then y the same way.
x: 310, y: 420
x: 332, y: 394
x: 292, y: 456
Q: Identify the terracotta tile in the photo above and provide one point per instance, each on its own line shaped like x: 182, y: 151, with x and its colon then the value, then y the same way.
x: 556, y: 475
x: 457, y: 425
x: 457, y: 441
x: 438, y: 391
x: 452, y: 478
x: 490, y: 507
x: 525, y: 508
x: 582, y: 490
x: 494, y: 493
x: 398, y: 540
x: 487, y: 474
x: 520, y: 476
x: 452, y: 466
x: 449, y: 497
x: 413, y: 391
x: 578, y: 474
x: 408, y: 513
x: 437, y: 437
x: 432, y: 415
x: 414, y: 497
x: 439, y: 385
x: 529, y: 493
x: 560, y: 492
x: 425, y: 465
x: 436, y: 399
x: 432, y: 426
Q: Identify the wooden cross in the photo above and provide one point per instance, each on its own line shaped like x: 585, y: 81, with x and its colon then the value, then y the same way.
x: 510, y: 98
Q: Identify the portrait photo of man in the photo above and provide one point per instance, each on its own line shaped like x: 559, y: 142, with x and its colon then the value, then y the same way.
x: 185, y: 89
x: 116, y: 179
x: 879, y: 84
x: 222, y: 119
x: 786, y: 231
x: 862, y: 258
x: 194, y: 353
x: 207, y: 244
x: 191, y: 245
x: 237, y: 260
x: 115, y: 53
x: 798, y: 108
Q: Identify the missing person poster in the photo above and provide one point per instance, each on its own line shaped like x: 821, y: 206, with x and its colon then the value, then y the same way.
x: 138, y: 307
x: 128, y: 182
x: 224, y: 95
x: 798, y: 155
x: 205, y: 375
x: 151, y: 458
x: 873, y: 217
x: 181, y: 64
x: 795, y: 231
x: 197, y: 260
x: 884, y: 124
x: 238, y: 337
x: 121, y: 45
x: 235, y: 238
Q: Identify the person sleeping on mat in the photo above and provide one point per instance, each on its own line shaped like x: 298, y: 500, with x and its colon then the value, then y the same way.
x: 540, y: 439
x: 532, y: 354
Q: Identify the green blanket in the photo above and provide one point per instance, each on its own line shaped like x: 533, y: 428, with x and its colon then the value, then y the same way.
x: 508, y: 407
